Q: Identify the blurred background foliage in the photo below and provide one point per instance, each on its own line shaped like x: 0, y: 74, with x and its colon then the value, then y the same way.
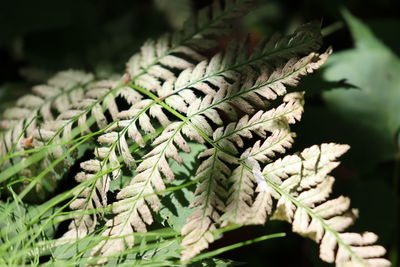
x: 354, y: 99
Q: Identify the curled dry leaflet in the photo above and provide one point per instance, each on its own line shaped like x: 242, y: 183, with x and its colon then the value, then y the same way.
x: 235, y: 104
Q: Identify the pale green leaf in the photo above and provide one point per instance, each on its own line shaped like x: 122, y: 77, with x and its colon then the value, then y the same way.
x: 374, y: 105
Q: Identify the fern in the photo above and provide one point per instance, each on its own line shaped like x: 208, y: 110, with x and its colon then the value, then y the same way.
x: 302, y: 185
x: 46, y: 101
x: 155, y: 163
x: 160, y: 59
x: 157, y: 60
x: 235, y: 104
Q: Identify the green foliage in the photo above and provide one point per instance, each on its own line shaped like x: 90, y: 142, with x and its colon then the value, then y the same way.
x: 374, y: 104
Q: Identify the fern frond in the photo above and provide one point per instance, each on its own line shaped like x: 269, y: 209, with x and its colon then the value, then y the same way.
x: 51, y: 138
x: 178, y: 47
x: 245, y: 93
x: 243, y: 180
x: 159, y: 60
x: 92, y: 197
x: 78, y: 115
x: 235, y: 104
x: 272, y: 120
x: 224, y: 69
x: 114, y: 146
x: 209, y: 203
x: 150, y: 64
x: 302, y: 186
x: 239, y: 204
x: 214, y: 175
x: 139, y: 198
x: 45, y: 102
x: 155, y: 165
x: 227, y: 97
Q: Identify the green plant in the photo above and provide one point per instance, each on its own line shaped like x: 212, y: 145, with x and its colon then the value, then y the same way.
x: 143, y: 134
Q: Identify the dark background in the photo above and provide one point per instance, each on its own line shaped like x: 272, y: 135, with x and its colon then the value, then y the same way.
x: 39, y: 38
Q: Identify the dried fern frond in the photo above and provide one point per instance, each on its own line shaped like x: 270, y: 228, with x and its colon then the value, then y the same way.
x: 214, y: 174
x: 157, y: 61
x: 43, y: 105
x: 235, y: 104
x: 80, y: 111
x: 161, y: 59
x: 210, y: 194
x: 301, y: 185
x: 225, y: 68
x: 155, y: 166
x: 243, y: 181
x: 246, y: 92
x: 114, y: 147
